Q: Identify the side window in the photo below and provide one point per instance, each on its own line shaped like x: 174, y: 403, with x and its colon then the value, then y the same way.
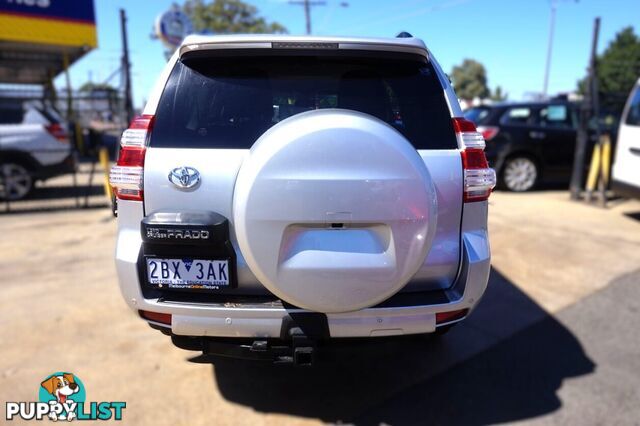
x: 556, y: 116
x: 633, y: 115
x: 10, y: 115
x: 516, y: 116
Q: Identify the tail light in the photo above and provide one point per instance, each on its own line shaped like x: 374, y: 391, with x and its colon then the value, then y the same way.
x: 488, y: 132
x: 126, y: 177
x: 479, y: 178
x: 57, y: 131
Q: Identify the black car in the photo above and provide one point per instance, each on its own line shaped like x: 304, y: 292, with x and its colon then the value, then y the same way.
x: 528, y: 143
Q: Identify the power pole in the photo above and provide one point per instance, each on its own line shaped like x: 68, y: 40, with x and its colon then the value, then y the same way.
x: 126, y: 69
x: 588, y: 108
x: 307, y: 9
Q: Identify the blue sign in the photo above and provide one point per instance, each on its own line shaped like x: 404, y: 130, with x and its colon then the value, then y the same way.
x: 60, y: 10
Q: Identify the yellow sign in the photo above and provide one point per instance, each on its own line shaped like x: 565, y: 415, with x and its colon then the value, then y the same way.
x: 35, y: 30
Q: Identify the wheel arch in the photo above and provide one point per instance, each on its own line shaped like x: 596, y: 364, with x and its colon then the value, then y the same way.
x: 23, y: 158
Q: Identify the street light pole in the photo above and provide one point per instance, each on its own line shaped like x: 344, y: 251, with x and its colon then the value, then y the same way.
x: 552, y: 28
x: 552, y: 25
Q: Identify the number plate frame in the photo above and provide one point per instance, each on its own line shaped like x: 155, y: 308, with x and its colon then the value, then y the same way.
x: 231, y: 269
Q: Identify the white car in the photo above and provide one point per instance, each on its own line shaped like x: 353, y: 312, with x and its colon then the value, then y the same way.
x: 626, y: 166
x: 34, y: 145
x: 281, y: 192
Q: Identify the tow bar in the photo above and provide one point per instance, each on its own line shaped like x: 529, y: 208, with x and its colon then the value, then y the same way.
x: 297, y: 344
x: 301, y: 351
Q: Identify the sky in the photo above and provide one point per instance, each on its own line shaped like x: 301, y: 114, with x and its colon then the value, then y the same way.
x: 509, y: 37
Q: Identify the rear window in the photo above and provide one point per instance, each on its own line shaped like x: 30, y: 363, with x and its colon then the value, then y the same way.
x: 230, y: 102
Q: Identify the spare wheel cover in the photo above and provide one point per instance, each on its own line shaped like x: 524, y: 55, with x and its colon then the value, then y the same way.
x: 337, y: 168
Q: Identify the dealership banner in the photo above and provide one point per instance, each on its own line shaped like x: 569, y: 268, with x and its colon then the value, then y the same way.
x: 56, y: 22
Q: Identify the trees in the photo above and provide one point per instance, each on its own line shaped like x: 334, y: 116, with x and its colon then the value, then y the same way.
x: 498, y: 95
x: 470, y: 80
x: 617, y: 69
x: 228, y: 16
x: 91, y: 87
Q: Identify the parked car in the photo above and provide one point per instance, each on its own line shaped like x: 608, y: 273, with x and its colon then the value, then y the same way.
x: 34, y: 145
x: 282, y: 191
x: 529, y: 143
x: 626, y: 166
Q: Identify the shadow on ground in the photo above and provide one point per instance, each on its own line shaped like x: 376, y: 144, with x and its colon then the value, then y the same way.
x: 505, y: 363
x: 633, y: 215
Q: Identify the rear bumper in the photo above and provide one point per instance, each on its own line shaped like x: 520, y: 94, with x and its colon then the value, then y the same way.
x: 405, y: 313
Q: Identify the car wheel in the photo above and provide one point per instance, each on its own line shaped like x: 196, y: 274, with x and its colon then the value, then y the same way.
x: 520, y: 174
x: 16, y: 181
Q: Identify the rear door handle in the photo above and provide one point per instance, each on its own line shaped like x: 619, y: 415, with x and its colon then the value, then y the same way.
x: 537, y: 135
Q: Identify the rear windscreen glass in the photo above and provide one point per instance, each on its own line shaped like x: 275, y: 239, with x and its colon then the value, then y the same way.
x: 231, y: 102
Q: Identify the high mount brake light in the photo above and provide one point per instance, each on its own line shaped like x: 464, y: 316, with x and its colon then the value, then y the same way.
x: 126, y: 177
x: 479, y: 178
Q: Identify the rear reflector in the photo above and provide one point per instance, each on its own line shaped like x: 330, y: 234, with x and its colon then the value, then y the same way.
x: 479, y: 178
x: 58, y: 132
x: 156, y: 317
x: 444, y: 317
x: 127, y: 176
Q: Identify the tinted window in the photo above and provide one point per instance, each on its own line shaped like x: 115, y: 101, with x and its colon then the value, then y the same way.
x: 477, y: 114
x: 230, y: 102
x: 516, y: 115
x: 558, y: 116
x: 11, y: 115
x: 633, y: 116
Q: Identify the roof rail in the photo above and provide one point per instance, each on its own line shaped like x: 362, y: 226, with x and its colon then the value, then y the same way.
x: 404, y: 34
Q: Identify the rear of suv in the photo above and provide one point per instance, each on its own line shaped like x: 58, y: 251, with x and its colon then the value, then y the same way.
x: 278, y: 192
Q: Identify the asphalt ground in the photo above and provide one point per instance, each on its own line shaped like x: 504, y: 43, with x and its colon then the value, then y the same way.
x: 554, y: 340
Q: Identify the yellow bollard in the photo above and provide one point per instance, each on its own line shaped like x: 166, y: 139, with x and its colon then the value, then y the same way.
x: 594, y: 169
x: 606, y: 159
x: 79, y: 138
x: 103, y: 156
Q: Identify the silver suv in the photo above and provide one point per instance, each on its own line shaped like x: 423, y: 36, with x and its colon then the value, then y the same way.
x: 279, y: 192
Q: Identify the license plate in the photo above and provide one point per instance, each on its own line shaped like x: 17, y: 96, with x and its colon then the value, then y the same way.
x: 188, y: 273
